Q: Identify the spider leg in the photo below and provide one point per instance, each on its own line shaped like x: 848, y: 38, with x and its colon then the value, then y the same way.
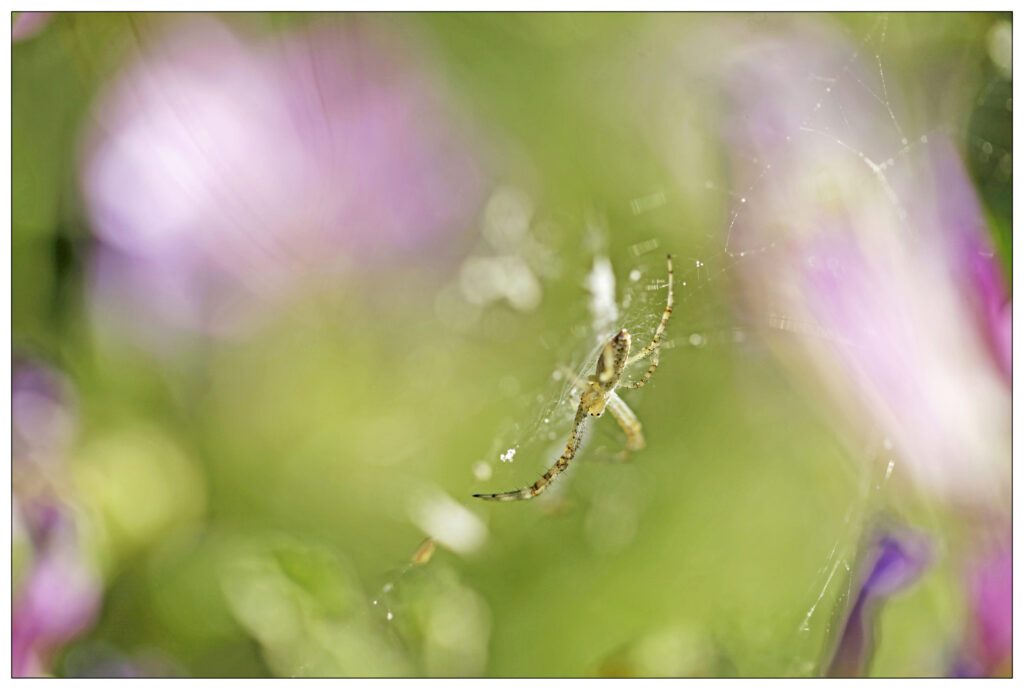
x: 642, y: 381
x: 538, y: 487
x: 660, y: 330
x: 628, y: 422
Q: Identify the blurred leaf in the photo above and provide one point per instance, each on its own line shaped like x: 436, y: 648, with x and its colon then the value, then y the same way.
x: 308, y: 612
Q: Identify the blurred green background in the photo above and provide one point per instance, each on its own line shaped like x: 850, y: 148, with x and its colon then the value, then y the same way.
x: 250, y: 500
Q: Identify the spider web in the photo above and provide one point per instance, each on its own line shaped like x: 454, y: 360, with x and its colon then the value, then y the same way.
x: 514, y: 265
x: 630, y: 291
x: 859, y: 74
x: 537, y: 431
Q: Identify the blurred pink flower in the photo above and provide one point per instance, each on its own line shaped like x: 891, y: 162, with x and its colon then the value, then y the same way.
x: 988, y: 647
x: 224, y: 172
x: 865, y: 251
x: 60, y: 595
x: 28, y: 24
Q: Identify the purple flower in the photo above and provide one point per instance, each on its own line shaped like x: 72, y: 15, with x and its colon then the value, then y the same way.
x: 58, y: 596
x: 863, y: 249
x: 227, y: 172
x: 892, y: 562
x: 42, y: 413
x: 61, y: 595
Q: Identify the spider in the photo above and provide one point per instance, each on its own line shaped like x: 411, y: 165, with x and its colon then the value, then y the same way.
x: 599, y: 395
